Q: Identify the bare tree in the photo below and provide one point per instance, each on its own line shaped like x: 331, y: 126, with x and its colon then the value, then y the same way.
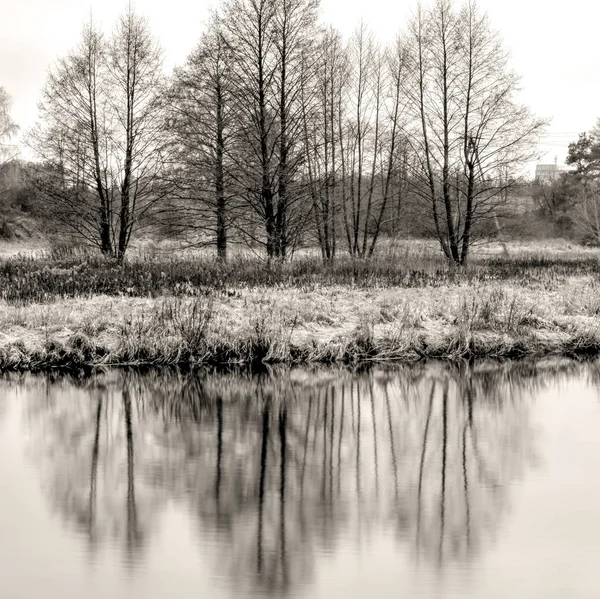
x: 294, y: 31
x: 356, y: 154
x: 248, y: 26
x: 99, y: 134
x: 322, y: 102
x: 361, y: 133
x: 73, y: 139
x: 391, y: 153
x: 135, y: 62
x: 202, y: 111
x: 473, y: 136
x: 369, y: 134
x: 271, y: 46
x: 8, y: 127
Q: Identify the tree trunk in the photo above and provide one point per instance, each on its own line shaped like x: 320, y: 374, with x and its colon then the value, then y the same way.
x: 219, y: 184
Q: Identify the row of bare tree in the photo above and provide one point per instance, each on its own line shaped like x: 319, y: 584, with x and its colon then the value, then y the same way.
x: 277, y: 132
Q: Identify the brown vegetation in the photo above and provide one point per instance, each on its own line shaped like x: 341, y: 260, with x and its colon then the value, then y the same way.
x: 84, y: 312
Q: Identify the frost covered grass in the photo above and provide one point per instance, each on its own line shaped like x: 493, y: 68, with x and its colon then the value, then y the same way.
x: 490, y: 317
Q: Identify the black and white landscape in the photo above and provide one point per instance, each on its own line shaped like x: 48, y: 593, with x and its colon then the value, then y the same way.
x: 299, y: 299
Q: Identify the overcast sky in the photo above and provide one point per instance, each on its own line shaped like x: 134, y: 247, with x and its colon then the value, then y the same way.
x: 553, y: 47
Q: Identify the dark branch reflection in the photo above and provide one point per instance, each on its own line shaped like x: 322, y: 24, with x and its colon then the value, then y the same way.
x: 279, y: 468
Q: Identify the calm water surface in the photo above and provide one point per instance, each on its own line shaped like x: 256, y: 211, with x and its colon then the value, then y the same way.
x: 426, y: 482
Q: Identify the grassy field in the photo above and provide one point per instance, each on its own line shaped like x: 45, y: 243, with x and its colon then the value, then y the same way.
x: 73, y: 309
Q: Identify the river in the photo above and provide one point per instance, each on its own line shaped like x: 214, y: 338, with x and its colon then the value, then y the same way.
x: 427, y: 482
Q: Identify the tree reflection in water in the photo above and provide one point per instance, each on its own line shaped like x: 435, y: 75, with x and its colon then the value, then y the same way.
x: 85, y: 438
x: 277, y: 469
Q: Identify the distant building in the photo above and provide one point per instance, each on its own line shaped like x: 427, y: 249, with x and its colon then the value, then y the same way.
x: 547, y: 173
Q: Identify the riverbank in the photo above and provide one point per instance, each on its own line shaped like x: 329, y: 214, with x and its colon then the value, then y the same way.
x: 501, y: 319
